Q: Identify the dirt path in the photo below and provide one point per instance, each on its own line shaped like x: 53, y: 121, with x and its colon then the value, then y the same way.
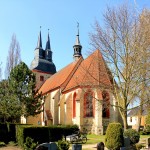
x: 87, y: 146
x: 10, y: 148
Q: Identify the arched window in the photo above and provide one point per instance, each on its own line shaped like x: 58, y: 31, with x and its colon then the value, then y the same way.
x: 74, y: 105
x: 106, y: 104
x: 89, y: 105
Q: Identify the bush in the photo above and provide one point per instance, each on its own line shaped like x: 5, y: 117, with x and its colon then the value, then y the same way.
x: 139, y: 146
x: 63, y: 145
x: 147, y: 128
x: 114, y: 136
x: 2, y: 144
x: 133, y: 135
x: 30, y: 144
x: 143, y: 132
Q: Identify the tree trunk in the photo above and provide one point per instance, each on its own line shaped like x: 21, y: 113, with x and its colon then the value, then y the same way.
x: 139, y: 117
x: 139, y: 123
x: 124, y: 116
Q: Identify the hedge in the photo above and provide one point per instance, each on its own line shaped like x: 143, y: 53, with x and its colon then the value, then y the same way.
x: 19, y: 132
x: 7, y: 132
x: 43, y: 134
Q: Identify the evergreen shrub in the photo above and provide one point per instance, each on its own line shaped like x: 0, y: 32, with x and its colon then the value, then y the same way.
x: 63, y: 145
x: 30, y: 144
x: 133, y: 135
x: 114, y: 136
x: 147, y: 128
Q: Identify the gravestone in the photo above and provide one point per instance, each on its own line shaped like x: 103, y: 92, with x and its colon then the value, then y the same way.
x: 50, y: 146
x: 76, y: 147
x: 100, y: 146
x: 126, y: 142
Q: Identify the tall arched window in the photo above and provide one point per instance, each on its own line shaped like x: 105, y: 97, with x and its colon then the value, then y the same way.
x: 106, y: 104
x: 74, y: 105
x: 89, y: 105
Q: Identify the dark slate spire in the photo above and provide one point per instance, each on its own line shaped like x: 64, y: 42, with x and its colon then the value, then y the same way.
x: 39, y: 44
x: 48, y: 52
x: 48, y: 46
x: 39, y: 52
x: 42, y: 61
x: 77, y: 47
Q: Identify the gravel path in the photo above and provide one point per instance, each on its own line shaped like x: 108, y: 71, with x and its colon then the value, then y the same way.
x: 10, y: 148
x: 87, y: 146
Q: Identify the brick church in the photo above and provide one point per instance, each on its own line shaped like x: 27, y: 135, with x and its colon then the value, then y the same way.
x: 80, y: 93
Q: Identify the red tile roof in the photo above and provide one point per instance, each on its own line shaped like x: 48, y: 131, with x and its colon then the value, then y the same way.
x: 89, y: 72
x: 60, y: 78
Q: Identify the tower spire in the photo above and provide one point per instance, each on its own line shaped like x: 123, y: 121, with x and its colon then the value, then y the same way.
x: 48, y: 46
x: 39, y: 44
x: 48, y: 52
x: 77, y: 47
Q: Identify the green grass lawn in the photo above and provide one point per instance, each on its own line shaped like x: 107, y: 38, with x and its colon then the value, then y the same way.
x: 92, y: 138
x: 144, y: 136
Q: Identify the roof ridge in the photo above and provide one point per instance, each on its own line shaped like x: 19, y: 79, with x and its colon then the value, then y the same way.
x: 64, y: 84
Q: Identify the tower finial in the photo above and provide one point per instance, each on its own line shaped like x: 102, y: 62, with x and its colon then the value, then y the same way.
x: 77, y: 47
x: 78, y: 28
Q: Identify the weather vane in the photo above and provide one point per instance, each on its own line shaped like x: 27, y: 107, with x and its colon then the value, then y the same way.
x: 78, y: 27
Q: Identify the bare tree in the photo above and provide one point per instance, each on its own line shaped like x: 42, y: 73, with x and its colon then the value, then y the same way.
x: 143, y: 45
x: 13, y: 57
x: 118, y: 39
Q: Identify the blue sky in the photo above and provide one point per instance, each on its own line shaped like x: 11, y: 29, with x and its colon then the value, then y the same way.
x: 24, y: 18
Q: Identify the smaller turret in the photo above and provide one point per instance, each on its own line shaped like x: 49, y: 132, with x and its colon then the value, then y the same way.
x: 77, y: 47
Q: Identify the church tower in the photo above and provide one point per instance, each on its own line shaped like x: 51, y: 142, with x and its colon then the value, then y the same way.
x: 77, y: 47
x: 42, y: 64
x: 48, y: 52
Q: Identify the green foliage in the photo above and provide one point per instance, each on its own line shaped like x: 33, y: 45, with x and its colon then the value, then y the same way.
x: 148, y: 118
x: 133, y: 135
x: 63, y: 145
x: 12, y: 143
x: 19, y: 135
x: 42, y: 134
x: 147, y: 129
x: 2, y: 144
x: 114, y: 136
x: 139, y: 146
x: 18, y: 96
x: 22, y: 84
x: 9, y: 108
x: 30, y: 144
x: 143, y: 132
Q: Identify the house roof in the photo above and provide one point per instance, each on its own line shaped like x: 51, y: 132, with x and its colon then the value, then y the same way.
x: 134, y: 112
x: 88, y: 72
